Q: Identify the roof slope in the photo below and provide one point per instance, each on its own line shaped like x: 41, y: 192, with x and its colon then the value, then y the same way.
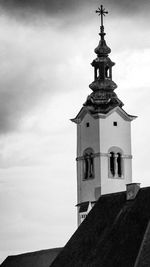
x: 143, y: 259
x: 42, y: 258
x: 111, y: 235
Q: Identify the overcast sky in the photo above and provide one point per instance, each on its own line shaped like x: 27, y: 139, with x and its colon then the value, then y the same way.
x: 46, y: 48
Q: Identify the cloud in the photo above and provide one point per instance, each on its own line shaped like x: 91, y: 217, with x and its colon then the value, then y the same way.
x: 50, y: 7
x: 34, y: 66
x: 58, y: 7
x: 19, y: 88
x: 26, y: 71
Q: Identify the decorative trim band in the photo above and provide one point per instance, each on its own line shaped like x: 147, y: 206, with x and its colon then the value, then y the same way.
x: 95, y: 155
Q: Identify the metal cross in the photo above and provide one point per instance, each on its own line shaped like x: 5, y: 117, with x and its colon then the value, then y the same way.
x: 101, y: 11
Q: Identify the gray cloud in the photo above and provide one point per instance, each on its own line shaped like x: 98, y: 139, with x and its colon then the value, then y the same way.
x: 70, y: 12
x: 64, y: 14
x: 25, y: 76
x: 18, y: 95
x: 64, y: 6
x: 34, y: 66
x: 51, y: 7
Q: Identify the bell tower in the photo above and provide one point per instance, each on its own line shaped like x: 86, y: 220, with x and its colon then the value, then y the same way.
x: 103, y: 135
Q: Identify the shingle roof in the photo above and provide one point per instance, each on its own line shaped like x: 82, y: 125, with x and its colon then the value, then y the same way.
x: 115, y: 233
x: 41, y: 258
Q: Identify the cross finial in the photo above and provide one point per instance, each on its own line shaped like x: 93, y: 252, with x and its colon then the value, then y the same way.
x: 101, y: 12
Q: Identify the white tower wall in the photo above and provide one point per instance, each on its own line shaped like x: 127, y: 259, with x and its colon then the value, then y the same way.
x: 102, y: 136
x: 87, y: 137
x: 115, y: 137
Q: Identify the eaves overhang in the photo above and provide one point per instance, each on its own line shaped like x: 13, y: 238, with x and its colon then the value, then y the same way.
x: 84, y: 110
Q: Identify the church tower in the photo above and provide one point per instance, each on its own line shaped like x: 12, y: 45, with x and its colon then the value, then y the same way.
x: 103, y: 135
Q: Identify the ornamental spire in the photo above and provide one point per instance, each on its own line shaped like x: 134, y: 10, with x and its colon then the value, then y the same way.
x: 102, y: 48
x: 101, y: 12
x: 103, y: 97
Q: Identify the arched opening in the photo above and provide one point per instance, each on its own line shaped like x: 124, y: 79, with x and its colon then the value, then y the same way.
x: 112, y: 163
x: 88, y: 164
x: 119, y: 163
x: 107, y: 72
x: 95, y: 73
x: 115, y: 164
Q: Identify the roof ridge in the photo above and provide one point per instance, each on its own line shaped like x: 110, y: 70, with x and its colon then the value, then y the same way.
x: 28, y: 253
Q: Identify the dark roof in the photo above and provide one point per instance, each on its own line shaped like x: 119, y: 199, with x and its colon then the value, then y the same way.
x: 143, y: 258
x: 42, y: 258
x: 115, y: 233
